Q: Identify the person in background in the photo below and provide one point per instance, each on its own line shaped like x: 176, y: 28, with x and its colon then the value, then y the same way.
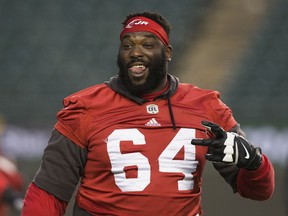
x: 11, y: 186
x: 11, y: 182
x: 139, y: 142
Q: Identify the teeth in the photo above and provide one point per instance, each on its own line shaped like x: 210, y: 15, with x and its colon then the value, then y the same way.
x: 139, y: 66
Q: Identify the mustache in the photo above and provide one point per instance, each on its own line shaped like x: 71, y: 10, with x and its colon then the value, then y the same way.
x: 136, y: 60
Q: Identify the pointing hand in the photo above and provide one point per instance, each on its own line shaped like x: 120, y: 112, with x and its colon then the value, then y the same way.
x: 229, y: 148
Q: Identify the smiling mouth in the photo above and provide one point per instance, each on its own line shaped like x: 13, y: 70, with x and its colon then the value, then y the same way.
x: 137, y: 70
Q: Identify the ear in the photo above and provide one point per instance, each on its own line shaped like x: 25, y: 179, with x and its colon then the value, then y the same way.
x: 169, y: 51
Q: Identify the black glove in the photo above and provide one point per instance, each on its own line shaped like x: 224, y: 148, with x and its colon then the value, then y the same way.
x: 229, y: 148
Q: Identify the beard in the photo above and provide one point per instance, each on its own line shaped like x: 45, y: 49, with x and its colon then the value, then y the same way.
x: 157, y: 72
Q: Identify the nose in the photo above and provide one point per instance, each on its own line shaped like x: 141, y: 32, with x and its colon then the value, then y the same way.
x: 136, y: 52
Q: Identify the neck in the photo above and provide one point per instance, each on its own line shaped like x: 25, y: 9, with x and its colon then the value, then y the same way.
x: 152, y: 95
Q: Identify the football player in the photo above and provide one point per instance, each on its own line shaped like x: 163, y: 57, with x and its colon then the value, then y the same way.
x: 128, y: 140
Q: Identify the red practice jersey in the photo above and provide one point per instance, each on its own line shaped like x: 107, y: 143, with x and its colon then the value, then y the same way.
x: 137, y: 163
x: 135, y: 156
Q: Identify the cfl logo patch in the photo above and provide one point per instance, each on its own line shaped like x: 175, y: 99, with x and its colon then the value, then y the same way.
x: 152, y: 109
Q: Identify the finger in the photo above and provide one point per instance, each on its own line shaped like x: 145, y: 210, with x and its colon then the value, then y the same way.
x: 213, y: 158
x: 214, y: 128
x: 202, y: 142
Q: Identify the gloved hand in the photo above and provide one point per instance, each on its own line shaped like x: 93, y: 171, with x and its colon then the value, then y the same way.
x: 229, y: 148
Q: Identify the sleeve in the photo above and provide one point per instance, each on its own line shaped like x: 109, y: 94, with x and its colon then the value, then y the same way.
x: 258, y: 184
x: 229, y: 173
x: 220, y: 113
x: 74, y: 120
x: 62, y: 166
x: 39, y: 202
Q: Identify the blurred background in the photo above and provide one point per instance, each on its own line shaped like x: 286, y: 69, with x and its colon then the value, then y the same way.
x: 50, y: 49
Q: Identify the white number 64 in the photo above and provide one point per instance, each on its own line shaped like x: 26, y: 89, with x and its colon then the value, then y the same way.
x: 167, y: 163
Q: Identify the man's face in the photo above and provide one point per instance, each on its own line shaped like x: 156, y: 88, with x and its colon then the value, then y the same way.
x: 142, y: 63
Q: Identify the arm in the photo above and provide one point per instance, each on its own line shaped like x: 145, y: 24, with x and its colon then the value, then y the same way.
x: 249, y: 183
x: 62, y: 166
x: 258, y: 184
x: 46, y: 204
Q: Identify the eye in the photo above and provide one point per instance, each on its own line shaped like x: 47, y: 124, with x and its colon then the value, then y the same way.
x: 148, y: 45
x: 126, y: 46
